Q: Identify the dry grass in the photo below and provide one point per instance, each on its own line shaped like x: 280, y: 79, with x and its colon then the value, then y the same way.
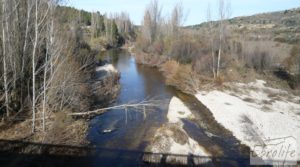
x: 60, y: 129
x: 236, y: 72
x: 99, y: 43
x: 291, y: 63
x: 170, y: 68
x: 266, y: 108
x: 18, y: 131
x: 107, y: 89
x: 150, y: 59
x: 267, y: 102
x: 184, y: 79
x: 250, y: 100
x: 67, y: 131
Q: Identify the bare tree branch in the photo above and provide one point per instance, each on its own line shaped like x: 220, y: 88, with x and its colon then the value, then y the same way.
x: 138, y: 106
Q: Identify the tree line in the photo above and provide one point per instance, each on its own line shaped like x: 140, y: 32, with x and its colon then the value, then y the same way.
x: 217, y: 50
x: 169, y: 34
x: 116, y: 28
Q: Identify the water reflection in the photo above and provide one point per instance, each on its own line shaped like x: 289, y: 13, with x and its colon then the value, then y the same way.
x: 132, y: 132
x: 138, y: 82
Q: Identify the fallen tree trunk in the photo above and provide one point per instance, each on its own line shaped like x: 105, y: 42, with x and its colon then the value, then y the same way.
x: 124, y: 106
x: 141, y: 106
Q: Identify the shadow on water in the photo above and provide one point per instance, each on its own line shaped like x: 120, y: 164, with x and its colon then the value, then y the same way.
x: 132, y: 132
x: 118, y: 139
x: 129, y: 130
x: 23, y: 154
x: 114, y: 133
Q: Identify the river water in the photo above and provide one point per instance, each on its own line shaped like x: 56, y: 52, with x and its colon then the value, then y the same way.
x: 132, y: 131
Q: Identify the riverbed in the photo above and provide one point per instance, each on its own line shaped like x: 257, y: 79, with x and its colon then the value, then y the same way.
x: 132, y: 130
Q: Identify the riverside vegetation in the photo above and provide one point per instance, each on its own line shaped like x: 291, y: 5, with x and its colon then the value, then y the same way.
x: 48, y: 62
x: 48, y: 59
x: 237, y: 49
x: 229, y: 65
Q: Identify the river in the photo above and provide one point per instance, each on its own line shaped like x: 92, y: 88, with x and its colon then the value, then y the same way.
x: 132, y: 131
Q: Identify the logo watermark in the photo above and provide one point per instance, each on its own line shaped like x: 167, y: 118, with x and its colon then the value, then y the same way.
x: 276, y: 151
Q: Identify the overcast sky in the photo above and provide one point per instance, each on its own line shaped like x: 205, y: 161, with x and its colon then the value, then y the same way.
x: 195, y: 10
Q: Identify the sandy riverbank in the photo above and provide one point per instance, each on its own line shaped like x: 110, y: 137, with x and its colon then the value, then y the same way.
x: 109, y: 68
x: 254, y: 113
x: 171, y: 138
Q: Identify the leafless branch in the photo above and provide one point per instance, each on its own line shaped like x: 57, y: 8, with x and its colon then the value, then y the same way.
x: 150, y: 103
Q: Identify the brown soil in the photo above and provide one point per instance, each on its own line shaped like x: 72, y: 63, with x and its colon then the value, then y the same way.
x: 60, y: 130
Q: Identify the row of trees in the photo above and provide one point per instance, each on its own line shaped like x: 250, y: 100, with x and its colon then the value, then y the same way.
x: 68, y: 14
x: 40, y: 70
x: 168, y: 37
x: 211, y: 49
x: 115, y: 28
x: 154, y: 26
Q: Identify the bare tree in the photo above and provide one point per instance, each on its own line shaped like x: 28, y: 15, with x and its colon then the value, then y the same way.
x: 155, y: 13
x: 123, y: 22
x: 41, y: 14
x: 211, y: 38
x: 221, y: 31
x: 14, y: 49
x: 177, y: 19
x: 25, y: 48
x: 4, y: 21
x: 224, y: 12
x: 147, y: 26
x: 152, y: 20
x: 95, y: 24
x: 38, y: 68
x: 35, y: 42
x: 50, y: 36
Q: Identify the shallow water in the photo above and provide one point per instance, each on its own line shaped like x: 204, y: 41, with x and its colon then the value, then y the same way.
x: 131, y: 130
x: 117, y: 130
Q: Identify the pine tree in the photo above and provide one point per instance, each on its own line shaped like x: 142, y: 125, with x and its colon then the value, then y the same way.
x: 115, y: 33
x: 102, y: 25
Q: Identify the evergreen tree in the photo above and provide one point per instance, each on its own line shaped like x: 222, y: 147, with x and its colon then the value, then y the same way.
x: 101, y: 25
x: 114, y: 33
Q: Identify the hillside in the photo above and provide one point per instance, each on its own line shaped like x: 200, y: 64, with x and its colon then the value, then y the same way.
x: 69, y: 13
x: 283, y: 26
x: 275, y: 35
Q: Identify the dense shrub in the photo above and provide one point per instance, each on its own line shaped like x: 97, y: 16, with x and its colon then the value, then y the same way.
x: 294, y: 82
x: 170, y: 68
x: 184, y: 50
x: 292, y: 63
x: 290, y: 39
x: 184, y: 79
x: 257, y: 56
x: 142, y: 44
x: 203, y: 63
x: 261, y: 60
x: 157, y: 47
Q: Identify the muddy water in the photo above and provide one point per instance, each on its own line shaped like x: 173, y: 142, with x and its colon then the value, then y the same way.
x: 132, y: 131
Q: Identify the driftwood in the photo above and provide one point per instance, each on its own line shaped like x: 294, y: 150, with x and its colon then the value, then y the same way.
x: 141, y: 106
x: 138, y: 106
